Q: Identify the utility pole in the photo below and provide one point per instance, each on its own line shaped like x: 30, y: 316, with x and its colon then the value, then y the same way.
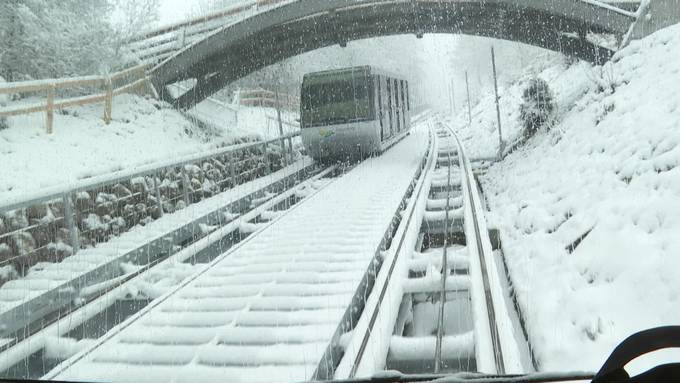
x: 450, y: 100
x: 501, y: 144
x: 453, y: 96
x: 467, y: 86
x: 278, y: 117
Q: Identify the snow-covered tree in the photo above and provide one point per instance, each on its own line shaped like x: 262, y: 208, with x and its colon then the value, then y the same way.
x: 537, y: 106
x: 3, y: 120
x: 133, y: 16
x: 11, y: 32
x: 40, y: 39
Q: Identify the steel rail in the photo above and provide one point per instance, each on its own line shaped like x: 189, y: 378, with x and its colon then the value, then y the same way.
x: 374, y: 316
x: 445, y: 273
x: 468, y: 377
x: 493, y: 325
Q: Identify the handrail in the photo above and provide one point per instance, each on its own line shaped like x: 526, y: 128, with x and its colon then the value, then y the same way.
x: 191, y: 22
x: 202, y: 19
x: 155, y: 45
x: 602, y: 4
x: 69, y: 82
x: 116, y: 177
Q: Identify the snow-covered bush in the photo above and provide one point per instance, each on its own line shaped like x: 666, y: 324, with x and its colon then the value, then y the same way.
x: 3, y: 102
x: 3, y: 122
x: 537, y: 106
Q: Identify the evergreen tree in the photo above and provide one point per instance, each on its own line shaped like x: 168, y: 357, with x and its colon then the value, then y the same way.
x: 133, y: 17
x: 537, y: 106
x: 43, y: 39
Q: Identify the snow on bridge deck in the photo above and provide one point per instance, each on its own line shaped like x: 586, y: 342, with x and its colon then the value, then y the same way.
x: 267, y: 310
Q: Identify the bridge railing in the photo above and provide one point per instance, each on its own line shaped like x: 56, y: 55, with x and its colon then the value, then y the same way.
x: 156, y: 45
x: 125, y: 81
x: 54, y: 224
x: 153, y: 46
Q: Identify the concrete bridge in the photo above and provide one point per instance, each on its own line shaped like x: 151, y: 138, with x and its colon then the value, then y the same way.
x: 297, y: 26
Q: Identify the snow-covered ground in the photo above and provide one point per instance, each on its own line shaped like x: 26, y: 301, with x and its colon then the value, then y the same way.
x: 608, y: 167
x: 237, y: 121
x: 142, y: 132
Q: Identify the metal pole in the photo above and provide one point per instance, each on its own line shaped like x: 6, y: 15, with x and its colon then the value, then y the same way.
x: 278, y: 117
x: 290, y: 149
x: 70, y: 223
x: 450, y: 99
x: 453, y: 96
x: 232, y: 169
x: 501, y: 145
x: 467, y: 87
x: 266, y: 158
x: 186, y: 184
x: 157, y: 190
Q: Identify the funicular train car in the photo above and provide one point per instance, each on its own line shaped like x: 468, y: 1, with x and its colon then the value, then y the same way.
x: 353, y: 113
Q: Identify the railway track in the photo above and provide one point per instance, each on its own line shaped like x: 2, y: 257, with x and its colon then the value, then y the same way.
x: 430, y: 301
x: 444, y: 256
x: 270, y: 305
x: 21, y: 352
x: 57, y: 280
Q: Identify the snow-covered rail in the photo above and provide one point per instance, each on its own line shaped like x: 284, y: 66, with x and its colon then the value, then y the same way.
x: 405, y: 326
x: 269, y: 306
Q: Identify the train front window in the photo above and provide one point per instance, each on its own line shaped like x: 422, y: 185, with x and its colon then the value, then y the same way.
x: 336, y: 102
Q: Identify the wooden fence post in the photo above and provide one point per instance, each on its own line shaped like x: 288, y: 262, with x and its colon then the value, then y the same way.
x: 108, y: 103
x: 50, y: 108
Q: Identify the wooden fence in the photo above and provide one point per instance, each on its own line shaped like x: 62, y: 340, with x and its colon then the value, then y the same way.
x: 128, y: 80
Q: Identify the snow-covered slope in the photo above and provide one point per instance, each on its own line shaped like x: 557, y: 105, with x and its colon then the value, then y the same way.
x: 608, y: 168
x: 237, y: 121
x: 142, y: 132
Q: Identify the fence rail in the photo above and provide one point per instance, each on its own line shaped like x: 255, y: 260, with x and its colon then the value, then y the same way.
x: 130, y: 79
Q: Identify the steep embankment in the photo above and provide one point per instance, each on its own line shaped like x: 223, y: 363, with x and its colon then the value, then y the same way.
x: 608, y: 170
x: 142, y: 131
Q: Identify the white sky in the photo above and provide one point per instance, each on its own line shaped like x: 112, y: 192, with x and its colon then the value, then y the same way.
x: 172, y: 11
